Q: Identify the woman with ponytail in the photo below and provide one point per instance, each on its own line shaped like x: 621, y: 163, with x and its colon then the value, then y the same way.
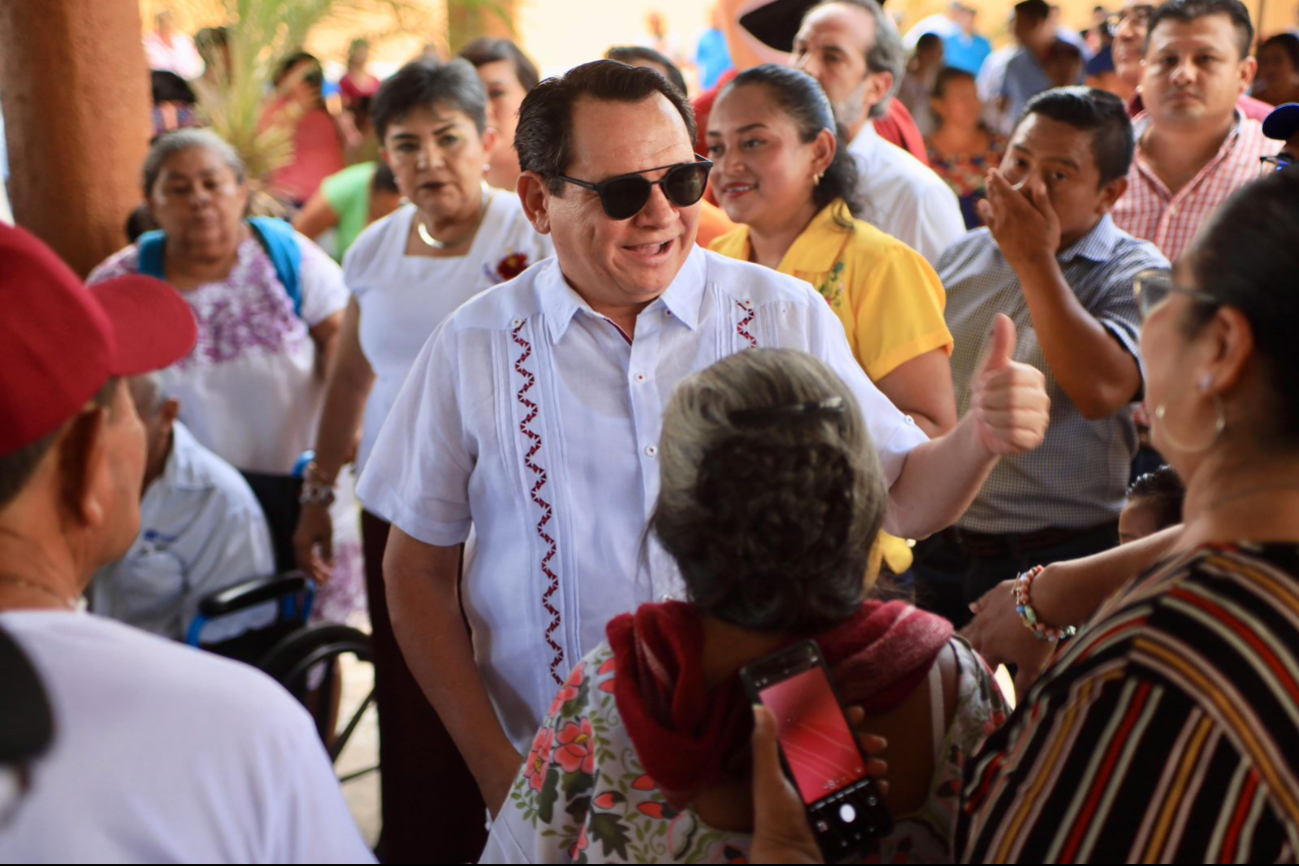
x: 780, y: 172
x: 770, y: 502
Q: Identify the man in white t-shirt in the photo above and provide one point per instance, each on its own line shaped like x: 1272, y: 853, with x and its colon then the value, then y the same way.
x: 201, y: 530
x: 160, y: 753
x: 853, y: 48
x: 534, y: 413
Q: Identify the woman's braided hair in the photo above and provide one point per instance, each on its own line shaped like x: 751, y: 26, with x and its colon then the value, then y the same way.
x: 771, y: 494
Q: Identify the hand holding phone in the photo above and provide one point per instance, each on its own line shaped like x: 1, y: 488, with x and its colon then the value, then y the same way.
x: 820, y: 753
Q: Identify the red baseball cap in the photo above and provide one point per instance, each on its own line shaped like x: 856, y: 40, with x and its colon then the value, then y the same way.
x: 60, y: 341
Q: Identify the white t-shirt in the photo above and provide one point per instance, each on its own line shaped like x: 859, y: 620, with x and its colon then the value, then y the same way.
x: 532, y: 417
x: 249, y: 390
x: 166, y: 754
x: 201, y: 530
x: 904, y: 197
x: 404, y: 298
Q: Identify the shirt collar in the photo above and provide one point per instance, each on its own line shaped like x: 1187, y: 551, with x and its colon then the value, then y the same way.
x: 182, y: 471
x: 683, y: 298
x: 1097, y: 245
x: 819, y: 246
x: 866, y: 140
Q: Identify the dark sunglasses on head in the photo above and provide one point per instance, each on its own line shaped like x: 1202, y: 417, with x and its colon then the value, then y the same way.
x: 626, y: 195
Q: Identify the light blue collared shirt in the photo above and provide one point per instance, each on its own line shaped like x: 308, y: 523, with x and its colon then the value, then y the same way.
x: 1079, y: 476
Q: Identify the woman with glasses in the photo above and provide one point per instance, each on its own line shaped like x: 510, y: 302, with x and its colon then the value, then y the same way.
x: 1165, y: 730
x: 407, y: 272
x: 299, y: 108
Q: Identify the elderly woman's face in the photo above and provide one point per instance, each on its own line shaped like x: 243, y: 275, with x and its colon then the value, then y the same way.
x: 200, y: 203
x: 437, y: 157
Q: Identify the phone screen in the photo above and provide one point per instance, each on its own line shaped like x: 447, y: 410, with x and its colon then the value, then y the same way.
x: 818, y: 745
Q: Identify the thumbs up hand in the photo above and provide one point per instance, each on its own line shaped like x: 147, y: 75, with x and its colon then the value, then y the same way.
x: 1008, y: 399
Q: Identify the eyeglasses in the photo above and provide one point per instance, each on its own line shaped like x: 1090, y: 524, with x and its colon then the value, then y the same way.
x: 1278, y: 162
x: 626, y: 195
x: 1152, y: 287
x: 1140, y: 15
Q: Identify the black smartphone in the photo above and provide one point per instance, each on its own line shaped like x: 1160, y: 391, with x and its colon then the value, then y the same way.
x: 820, y: 751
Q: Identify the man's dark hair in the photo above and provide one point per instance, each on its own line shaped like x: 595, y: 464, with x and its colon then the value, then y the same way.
x: 544, y: 137
x: 1036, y: 10
x: 1090, y: 110
x: 170, y: 87
x: 1186, y: 11
x: 632, y: 55
x: 946, y: 76
x: 1164, y: 492
x: 1287, y: 42
x: 420, y: 84
x: 485, y: 49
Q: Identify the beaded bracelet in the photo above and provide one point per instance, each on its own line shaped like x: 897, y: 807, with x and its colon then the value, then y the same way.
x: 1021, y: 589
x: 315, y: 491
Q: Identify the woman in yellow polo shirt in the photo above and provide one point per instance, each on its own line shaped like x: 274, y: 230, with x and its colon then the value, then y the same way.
x: 779, y: 172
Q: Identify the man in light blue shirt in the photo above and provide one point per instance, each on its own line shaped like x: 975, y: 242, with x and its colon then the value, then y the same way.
x: 201, y: 530
x: 1052, y: 259
x: 1026, y: 76
x: 966, y: 49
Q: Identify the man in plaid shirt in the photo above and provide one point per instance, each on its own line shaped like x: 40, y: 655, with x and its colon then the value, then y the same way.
x: 1194, y: 147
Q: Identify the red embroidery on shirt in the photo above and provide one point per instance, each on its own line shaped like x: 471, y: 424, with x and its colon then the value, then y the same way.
x: 525, y: 427
x: 743, y: 326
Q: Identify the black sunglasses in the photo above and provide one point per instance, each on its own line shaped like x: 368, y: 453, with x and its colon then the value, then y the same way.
x: 626, y: 195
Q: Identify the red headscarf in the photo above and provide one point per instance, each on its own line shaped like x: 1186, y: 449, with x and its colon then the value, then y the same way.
x: 687, y: 739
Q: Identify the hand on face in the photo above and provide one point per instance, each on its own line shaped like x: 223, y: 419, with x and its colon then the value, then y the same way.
x: 1008, y: 399
x: 1023, y: 221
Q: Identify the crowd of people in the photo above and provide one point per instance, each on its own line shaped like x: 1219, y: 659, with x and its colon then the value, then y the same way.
x: 593, y: 394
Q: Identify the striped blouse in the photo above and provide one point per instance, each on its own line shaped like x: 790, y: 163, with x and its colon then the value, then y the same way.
x: 1168, y: 730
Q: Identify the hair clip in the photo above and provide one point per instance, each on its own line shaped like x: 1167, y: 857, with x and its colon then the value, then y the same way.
x: 829, y: 407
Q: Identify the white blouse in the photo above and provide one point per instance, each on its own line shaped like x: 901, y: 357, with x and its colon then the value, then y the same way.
x: 404, y: 298
x: 530, y: 416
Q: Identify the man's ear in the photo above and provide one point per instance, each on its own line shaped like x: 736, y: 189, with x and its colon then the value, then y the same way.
x: 1110, y: 194
x: 168, y: 412
x: 878, y: 87
x: 535, y: 195
x: 1248, y: 69
x: 81, y: 459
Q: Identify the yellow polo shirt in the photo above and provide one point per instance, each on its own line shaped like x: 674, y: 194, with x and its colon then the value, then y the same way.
x: 887, y: 295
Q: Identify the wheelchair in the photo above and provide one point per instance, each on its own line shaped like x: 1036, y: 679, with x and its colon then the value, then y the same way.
x: 301, y: 656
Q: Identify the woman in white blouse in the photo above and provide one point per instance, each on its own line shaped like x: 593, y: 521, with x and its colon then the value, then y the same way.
x: 456, y: 237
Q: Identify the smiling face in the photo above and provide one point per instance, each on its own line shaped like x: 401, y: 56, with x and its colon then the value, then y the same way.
x: 437, y: 156
x: 1049, y: 154
x: 763, y: 171
x: 619, y: 264
x: 1194, y: 72
x: 200, y: 203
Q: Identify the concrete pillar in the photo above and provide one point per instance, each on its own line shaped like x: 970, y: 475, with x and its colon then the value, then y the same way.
x: 75, y: 89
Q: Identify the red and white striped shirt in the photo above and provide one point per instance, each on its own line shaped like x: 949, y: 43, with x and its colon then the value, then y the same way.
x: 1151, y: 212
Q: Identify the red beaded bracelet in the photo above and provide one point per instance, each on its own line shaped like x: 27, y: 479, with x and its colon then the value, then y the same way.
x: 1021, y: 590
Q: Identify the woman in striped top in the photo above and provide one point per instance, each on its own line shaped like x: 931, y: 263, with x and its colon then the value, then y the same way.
x: 1169, y: 728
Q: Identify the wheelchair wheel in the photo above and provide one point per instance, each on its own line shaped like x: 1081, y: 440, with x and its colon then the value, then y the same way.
x: 307, y: 663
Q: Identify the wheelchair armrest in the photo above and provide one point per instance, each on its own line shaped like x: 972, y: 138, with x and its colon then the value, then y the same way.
x: 251, y: 593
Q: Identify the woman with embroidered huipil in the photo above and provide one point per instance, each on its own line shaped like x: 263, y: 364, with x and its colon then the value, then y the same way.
x: 269, y: 304
x: 779, y: 171
x: 407, y: 273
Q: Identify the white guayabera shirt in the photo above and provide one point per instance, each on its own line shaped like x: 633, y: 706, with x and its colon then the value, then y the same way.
x: 533, y: 418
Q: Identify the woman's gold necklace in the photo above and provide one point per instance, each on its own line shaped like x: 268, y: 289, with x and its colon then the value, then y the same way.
x: 427, y: 237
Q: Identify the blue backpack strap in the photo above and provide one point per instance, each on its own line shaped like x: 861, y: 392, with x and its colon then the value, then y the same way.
x: 151, y: 246
x: 281, y: 245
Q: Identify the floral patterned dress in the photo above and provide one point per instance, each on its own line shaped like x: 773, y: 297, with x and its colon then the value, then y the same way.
x: 583, y: 796
x: 966, y: 174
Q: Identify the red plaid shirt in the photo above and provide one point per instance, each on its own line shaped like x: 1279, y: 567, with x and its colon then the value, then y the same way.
x: 1150, y: 211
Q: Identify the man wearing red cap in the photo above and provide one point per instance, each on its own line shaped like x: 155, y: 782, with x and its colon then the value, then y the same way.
x: 160, y: 753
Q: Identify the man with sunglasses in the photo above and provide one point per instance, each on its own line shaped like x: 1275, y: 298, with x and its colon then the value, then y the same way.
x: 534, y: 414
x: 1195, y: 147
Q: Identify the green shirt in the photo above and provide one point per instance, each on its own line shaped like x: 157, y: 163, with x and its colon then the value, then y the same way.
x: 348, y: 194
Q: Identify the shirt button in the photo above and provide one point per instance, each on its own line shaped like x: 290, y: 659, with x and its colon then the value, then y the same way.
x: 651, y: 450
x: 910, y: 420
x: 640, y: 377
x: 667, y: 596
x: 667, y: 313
x: 518, y: 322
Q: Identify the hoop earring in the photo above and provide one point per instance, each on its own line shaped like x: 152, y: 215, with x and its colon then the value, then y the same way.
x: 1220, y: 424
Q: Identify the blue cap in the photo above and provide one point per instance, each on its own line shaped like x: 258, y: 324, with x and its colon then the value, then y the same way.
x: 1283, y: 123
